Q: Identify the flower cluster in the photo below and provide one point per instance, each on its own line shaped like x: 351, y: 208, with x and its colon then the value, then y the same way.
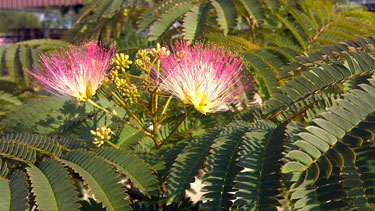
x: 204, y: 76
x: 123, y: 86
x: 77, y: 72
x: 121, y: 61
x: 102, y: 134
x: 128, y: 91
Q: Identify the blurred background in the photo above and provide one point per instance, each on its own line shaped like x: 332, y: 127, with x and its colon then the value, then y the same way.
x: 34, y: 19
x: 23, y: 20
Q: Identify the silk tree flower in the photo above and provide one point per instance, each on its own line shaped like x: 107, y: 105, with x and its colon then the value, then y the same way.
x: 77, y: 71
x: 202, y: 75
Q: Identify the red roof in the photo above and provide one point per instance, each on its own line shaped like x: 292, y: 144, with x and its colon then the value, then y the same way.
x: 16, y: 4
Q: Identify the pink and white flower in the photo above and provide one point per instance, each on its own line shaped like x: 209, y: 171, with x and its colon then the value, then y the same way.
x: 77, y: 71
x: 202, y: 75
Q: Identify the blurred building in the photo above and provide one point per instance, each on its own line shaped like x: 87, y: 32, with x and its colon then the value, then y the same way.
x: 370, y: 4
x: 22, y: 4
x: 55, y: 17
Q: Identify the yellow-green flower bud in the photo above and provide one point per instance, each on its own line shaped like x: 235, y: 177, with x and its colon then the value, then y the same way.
x: 121, y: 61
x: 160, y: 51
x: 102, y: 134
x: 143, y: 55
x: 125, y: 12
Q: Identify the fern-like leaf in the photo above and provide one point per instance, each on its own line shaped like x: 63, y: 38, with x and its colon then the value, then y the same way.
x: 187, y: 164
x: 222, y: 167
x: 8, y: 98
x: 43, y: 144
x: 254, y: 8
x: 194, y: 21
x: 132, y: 166
x: 339, y: 129
x: 4, y: 194
x: 17, y: 151
x: 226, y: 14
x: 24, y: 118
x: 260, y: 155
x: 59, y: 180
x: 19, y: 192
x: 101, y: 178
x: 167, y: 19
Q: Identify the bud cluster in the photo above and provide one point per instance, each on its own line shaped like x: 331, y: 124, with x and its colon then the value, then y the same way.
x: 142, y: 57
x: 128, y: 91
x: 121, y: 62
x: 160, y: 51
x: 102, y: 134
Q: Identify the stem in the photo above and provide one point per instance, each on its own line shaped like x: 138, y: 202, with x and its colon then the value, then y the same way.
x: 165, y: 106
x: 175, y: 129
x: 126, y: 78
x: 112, y: 145
x: 127, y: 108
x: 137, y: 77
x: 157, y: 90
x: 118, y: 117
x: 253, y: 23
x: 169, y: 112
x: 155, y: 127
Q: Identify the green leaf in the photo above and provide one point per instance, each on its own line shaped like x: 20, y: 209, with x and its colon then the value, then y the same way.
x: 132, y: 166
x: 167, y: 19
x: 128, y: 137
x: 194, y: 22
x: 19, y: 192
x: 259, y: 183
x: 254, y: 8
x: 17, y: 151
x: 295, y: 30
x: 300, y: 156
x: 226, y: 14
x: 101, y: 178
x: 293, y: 167
x: 148, y: 17
x: 26, y: 116
x: 187, y: 164
x: 222, y: 167
x: 44, y: 195
x: 152, y: 159
x: 2, y: 51
x: 9, y: 98
x: 12, y: 62
x: 3, y: 168
x: 4, y: 195
x: 26, y: 60
x: 62, y: 186
x: 43, y: 144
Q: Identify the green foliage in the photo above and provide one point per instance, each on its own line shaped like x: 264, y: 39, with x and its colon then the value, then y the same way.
x: 101, y: 178
x: 58, y: 178
x: 19, y: 191
x: 224, y: 156
x: 226, y: 14
x: 19, y: 57
x: 187, y: 164
x: 261, y: 147
x: 308, y: 146
x: 133, y: 167
x: 194, y: 21
x: 30, y: 116
x: 51, y: 183
x: 18, y: 20
x: 104, y: 20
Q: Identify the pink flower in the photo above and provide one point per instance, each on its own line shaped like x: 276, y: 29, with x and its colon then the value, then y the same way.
x: 204, y: 76
x: 78, y: 71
